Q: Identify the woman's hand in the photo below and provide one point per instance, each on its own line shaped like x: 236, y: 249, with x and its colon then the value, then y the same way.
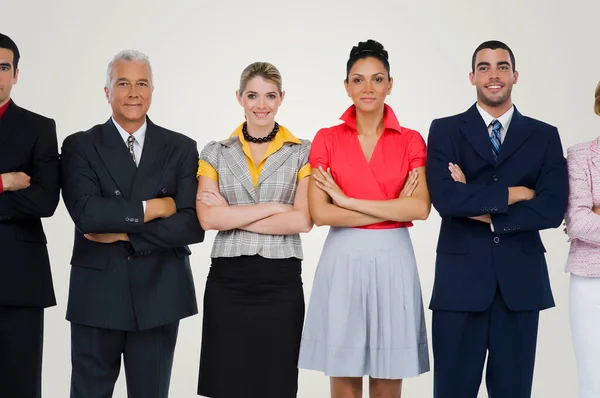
x: 211, y: 198
x: 324, y: 181
x: 412, y: 180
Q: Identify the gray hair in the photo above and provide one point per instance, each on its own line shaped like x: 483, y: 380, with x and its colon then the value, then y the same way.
x: 129, y: 56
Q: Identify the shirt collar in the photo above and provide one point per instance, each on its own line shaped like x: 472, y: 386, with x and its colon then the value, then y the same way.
x: 140, y: 135
x: 390, y: 121
x: 283, y: 135
x: 4, y: 107
x: 504, y: 119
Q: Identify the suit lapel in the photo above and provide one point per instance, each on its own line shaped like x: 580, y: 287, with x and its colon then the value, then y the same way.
x: 518, y: 132
x: 234, y: 157
x: 116, y: 157
x: 9, y: 123
x: 156, y: 151
x: 476, y: 132
x: 274, y: 161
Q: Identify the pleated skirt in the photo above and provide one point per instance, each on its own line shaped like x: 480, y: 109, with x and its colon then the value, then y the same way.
x: 365, y: 315
x: 252, y: 324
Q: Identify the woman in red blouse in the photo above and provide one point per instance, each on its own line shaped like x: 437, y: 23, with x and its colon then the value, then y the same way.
x: 366, y: 312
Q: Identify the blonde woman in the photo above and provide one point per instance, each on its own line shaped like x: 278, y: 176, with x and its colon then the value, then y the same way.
x: 583, y: 226
x: 253, y: 190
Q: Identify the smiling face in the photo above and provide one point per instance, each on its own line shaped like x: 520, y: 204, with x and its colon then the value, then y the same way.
x: 130, y: 93
x: 261, y: 100
x: 8, y: 75
x: 368, y: 84
x: 493, y: 78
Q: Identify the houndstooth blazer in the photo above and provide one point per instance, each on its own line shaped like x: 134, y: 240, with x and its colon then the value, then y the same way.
x: 277, y: 183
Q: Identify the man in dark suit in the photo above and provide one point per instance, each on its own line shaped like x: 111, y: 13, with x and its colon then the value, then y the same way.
x: 130, y: 188
x: 497, y: 178
x: 29, y: 190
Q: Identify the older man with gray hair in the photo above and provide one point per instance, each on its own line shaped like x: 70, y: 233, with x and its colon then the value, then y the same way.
x: 130, y: 188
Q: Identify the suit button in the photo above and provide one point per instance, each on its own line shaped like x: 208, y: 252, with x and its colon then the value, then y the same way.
x: 129, y: 258
x: 164, y: 190
x: 126, y: 218
x: 136, y: 220
x: 495, y: 178
x: 496, y: 239
x: 117, y: 192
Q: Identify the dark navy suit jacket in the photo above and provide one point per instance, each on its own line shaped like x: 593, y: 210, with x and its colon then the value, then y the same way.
x: 471, y: 259
x: 27, y: 144
x: 146, y: 282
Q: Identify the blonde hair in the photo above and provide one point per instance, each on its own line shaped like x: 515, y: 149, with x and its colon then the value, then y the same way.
x: 597, y: 102
x: 261, y: 69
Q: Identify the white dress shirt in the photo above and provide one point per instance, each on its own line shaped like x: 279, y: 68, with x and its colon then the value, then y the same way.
x: 504, y: 121
x: 138, y: 144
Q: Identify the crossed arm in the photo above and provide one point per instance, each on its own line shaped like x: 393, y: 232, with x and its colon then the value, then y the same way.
x: 34, y: 195
x: 273, y: 218
x: 330, y: 206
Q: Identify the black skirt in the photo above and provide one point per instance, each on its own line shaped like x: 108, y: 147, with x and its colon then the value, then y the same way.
x: 252, y: 325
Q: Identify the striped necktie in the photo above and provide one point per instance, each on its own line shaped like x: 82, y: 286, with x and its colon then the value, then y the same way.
x: 495, y: 138
x: 130, y: 141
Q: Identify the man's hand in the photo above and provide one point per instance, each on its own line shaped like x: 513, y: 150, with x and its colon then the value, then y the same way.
x: 15, y: 181
x: 107, y: 238
x: 159, y: 208
x: 519, y: 194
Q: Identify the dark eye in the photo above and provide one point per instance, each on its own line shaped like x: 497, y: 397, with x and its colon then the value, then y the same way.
x: 504, y: 67
x: 251, y: 96
x: 271, y: 96
x: 483, y: 68
x: 4, y: 68
x: 356, y: 80
x: 379, y: 79
x: 122, y: 84
x: 143, y: 84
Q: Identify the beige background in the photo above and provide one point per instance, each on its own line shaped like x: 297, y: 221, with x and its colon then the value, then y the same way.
x: 198, y: 49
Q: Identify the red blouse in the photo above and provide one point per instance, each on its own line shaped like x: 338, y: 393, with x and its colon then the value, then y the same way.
x: 398, y: 151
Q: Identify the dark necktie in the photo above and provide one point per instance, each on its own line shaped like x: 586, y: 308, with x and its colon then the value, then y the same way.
x: 495, y: 138
x: 130, y: 141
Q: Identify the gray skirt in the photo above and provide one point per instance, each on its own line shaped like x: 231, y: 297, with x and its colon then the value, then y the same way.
x: 365, y: 315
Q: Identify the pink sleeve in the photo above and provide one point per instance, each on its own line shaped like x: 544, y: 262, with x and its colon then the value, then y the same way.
x: 582, y: 223
x: 417, y: 151
x: 319, y: 151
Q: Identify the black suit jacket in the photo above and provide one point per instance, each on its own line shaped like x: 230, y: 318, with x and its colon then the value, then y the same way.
x: 27, y: 144
x: 146, y: 282
x: 471, y: 259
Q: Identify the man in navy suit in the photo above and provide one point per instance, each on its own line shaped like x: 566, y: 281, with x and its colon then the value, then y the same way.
x: 29, y: 191
x: 130, y: 188
x: 497, y: 178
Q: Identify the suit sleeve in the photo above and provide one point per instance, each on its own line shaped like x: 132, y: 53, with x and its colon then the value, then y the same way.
x: 41, y: 197
x: 91, y: 212
x: 182, y: 228
x: 452, y: 198
x: 548, y: 207
x: 582, y: 223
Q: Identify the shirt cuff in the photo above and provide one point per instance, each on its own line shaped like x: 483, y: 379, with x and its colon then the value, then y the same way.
x: 492, y: 226
x: 144, y: 206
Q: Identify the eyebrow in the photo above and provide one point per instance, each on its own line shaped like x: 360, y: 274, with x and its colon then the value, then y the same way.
x: 497, y: 64
x: 124, y: 79
x: 374, y: 74
x: 6, y: 64
x: 254, y: 92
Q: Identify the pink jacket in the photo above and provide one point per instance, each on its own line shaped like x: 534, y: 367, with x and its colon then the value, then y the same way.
x: 583, y: 225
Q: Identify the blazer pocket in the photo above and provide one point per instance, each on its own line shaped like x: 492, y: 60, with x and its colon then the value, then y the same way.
x: 182, y: 252
x: 87, y: 261
x: 534, y: 247
x: 453, y: 247
x: 30, y: 234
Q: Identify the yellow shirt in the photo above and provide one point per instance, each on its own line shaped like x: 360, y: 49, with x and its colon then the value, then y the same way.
x: 282, y: 136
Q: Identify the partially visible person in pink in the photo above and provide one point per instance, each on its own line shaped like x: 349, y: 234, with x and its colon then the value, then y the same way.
x: 583, y: 227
